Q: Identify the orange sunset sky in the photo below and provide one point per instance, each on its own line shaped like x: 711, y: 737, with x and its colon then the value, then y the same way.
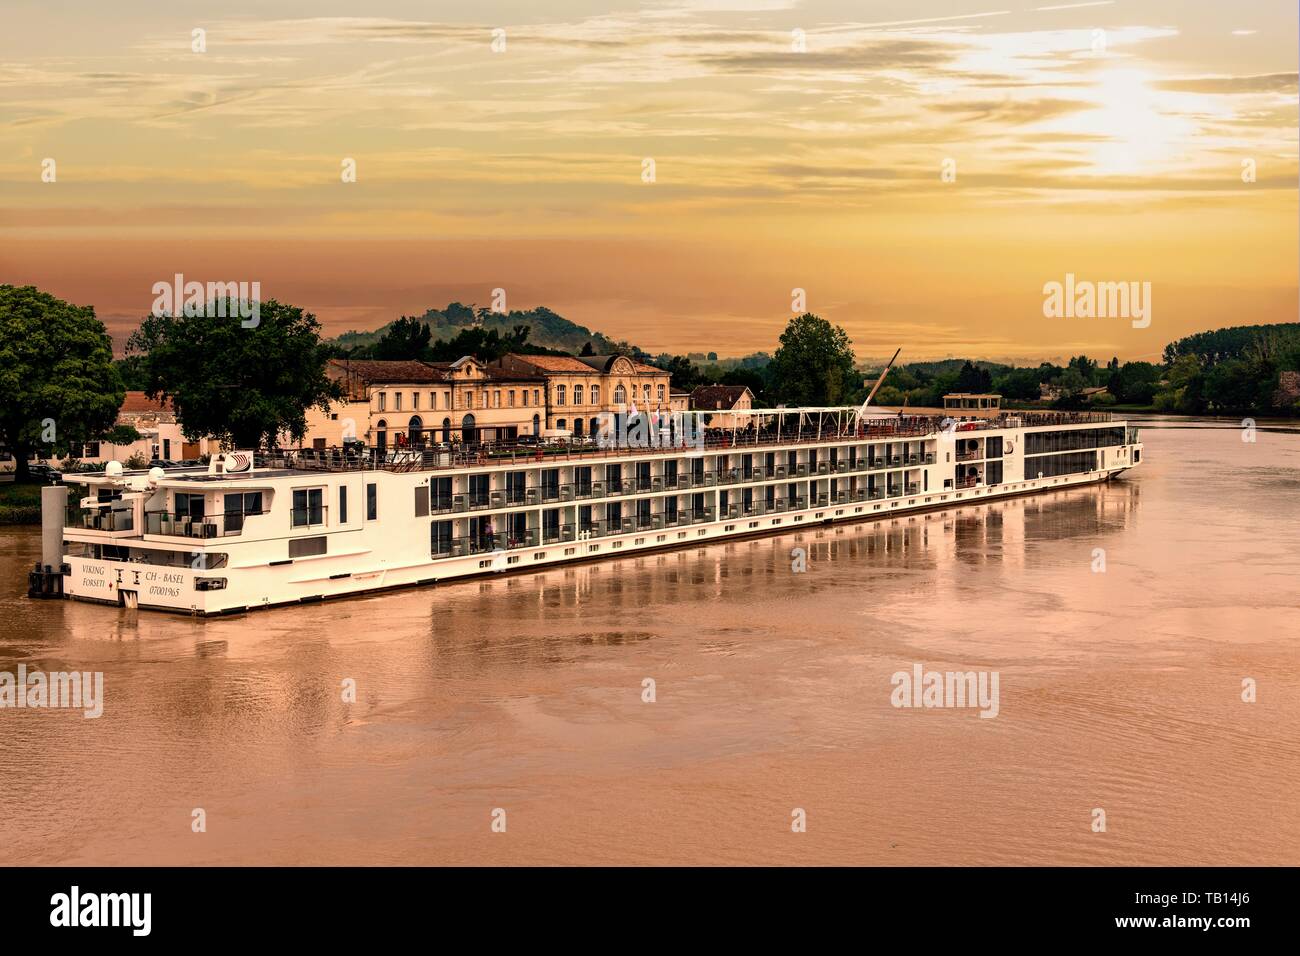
x: 795, y: 145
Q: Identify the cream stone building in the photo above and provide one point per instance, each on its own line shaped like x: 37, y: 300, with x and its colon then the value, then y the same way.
x: 580, y: 390
x: 399, y: 403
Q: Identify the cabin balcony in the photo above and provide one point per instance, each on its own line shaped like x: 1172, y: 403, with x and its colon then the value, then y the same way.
x: 180, y: 525
x: 115, y: 522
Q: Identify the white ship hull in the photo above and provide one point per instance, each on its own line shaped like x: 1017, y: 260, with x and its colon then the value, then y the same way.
x: 201, y: 566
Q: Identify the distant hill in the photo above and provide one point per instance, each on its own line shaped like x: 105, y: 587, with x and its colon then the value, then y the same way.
x: 941, y: 367
x: 546, y: 328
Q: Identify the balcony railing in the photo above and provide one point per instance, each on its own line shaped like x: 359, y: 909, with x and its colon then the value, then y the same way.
x: 206, y: 526
x: 105, y: 520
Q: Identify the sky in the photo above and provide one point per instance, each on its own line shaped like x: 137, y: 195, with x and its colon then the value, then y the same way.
x: 666, y: 172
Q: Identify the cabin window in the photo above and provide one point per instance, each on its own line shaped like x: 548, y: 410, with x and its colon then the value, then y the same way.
x: 422, y: 501
x: 440, y: 538
x: 306, y: 547
x: 237, y: 506
x: 551, y: 483
x: 308, y: 507
x: 343, y: 504
x: 372, y: 502
x: 478, y: 489
x: 440, y: 489
x: 188, y: 506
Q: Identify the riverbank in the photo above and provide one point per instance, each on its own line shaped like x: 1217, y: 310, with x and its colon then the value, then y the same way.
x: 20, y: 503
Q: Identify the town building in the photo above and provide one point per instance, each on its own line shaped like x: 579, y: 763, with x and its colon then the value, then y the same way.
x: 159, y: 431
x: 720, y: 399
x: 583, y: 391
x: 401, y: 403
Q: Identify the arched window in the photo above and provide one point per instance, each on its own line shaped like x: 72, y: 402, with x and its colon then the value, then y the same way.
x: 577, y: 394
x: 446, y: 430
x: 537, y: 424
x: 595, y: 427
x: 415, y: 430
x: 559, y: 395
x: 468, y: 433
x: 620, y: 395
x: 561, y: 423
x: 577, y: 427
x: 595, y: 394
x: 381, y: 433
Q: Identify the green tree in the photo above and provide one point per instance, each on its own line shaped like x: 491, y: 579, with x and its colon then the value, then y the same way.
x: 1071, y: 383
x: 814, y: 364
x: 972, y: 378
x: 1019, y: 384
x: 1134, y: 383
x: 406, y: 338
x: 56, y: 374
x: 242, y: 385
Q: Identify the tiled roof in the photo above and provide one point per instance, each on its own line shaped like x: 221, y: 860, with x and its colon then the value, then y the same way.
x: 379, y: 370
x: 717, y: 396
x: 553, y: 363
x: 137, y: 403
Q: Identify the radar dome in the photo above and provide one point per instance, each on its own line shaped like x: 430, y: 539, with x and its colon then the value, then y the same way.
x: 156, y: 474
x: 113, y: 469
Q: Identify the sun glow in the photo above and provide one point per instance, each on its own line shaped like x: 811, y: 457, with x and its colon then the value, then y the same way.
x: 1141, y: 134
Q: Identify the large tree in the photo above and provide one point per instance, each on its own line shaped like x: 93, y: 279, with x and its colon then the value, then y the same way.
x: 57, y: 377
x: 243, y: 383
x: 406, y: 338
x: 814, y: 365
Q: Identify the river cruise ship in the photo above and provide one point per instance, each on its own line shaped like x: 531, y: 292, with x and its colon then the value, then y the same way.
x: 252, y: 531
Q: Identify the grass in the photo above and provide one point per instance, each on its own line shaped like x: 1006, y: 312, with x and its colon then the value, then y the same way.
x: 20, y: 503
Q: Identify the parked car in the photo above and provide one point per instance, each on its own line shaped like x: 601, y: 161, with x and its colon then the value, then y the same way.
x: 45, y: 473
x: 163, y: 463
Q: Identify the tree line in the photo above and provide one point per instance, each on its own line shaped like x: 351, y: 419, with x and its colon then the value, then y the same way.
x: 248, y: 385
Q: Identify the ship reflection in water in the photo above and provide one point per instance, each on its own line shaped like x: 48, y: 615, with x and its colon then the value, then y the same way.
x: 1122, y: 620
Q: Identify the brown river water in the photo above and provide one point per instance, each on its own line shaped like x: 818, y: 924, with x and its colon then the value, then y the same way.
x: 1119, y: 690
